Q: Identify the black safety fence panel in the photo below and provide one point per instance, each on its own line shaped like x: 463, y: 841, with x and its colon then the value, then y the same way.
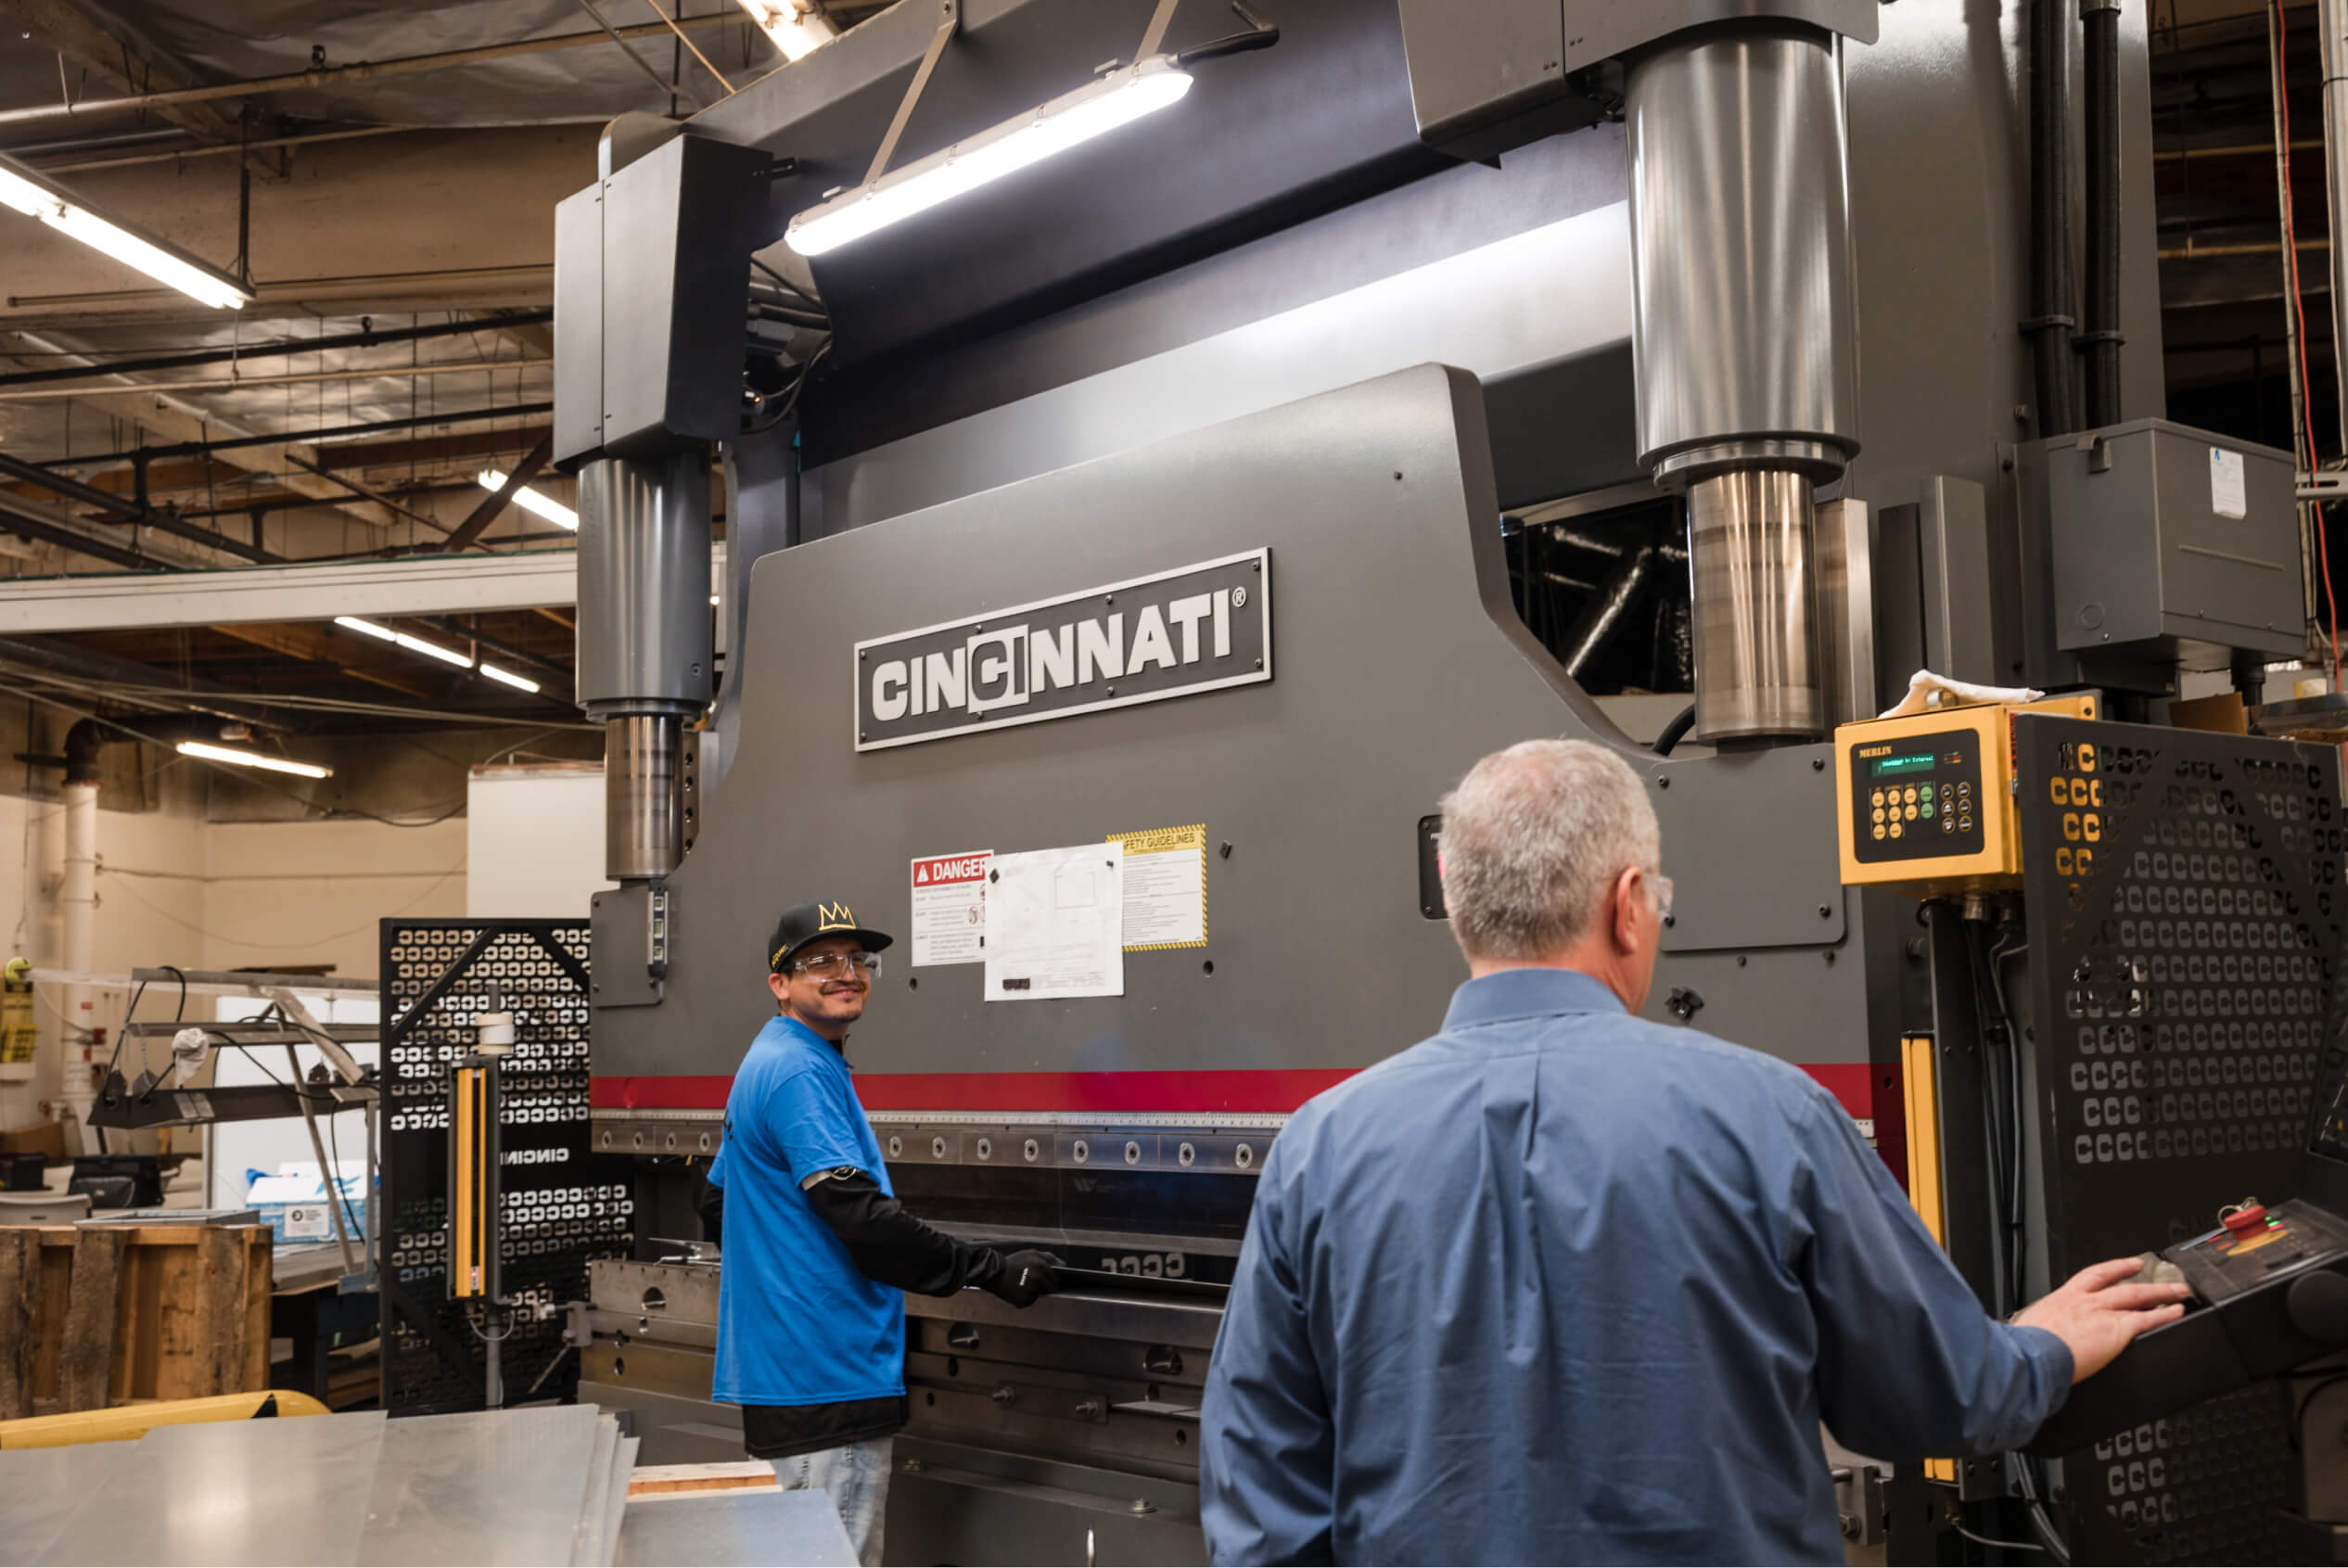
x: 561, y: 1206
x: 2186, y: 919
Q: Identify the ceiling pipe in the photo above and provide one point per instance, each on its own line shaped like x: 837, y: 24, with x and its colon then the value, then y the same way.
x: 288, y: 378
x: 180, y: 154
x: 365, y: 71
x: 276, y: 348
x: 67, y: 661
x: 300, y: 438
x: 128, y: 510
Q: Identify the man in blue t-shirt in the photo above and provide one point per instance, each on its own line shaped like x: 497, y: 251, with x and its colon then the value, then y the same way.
x: 810, y: 1326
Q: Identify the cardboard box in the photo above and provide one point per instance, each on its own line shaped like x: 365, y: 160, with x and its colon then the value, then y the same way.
x: 40, y: 1138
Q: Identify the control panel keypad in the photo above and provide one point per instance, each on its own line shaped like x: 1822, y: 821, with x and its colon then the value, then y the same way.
x: 1916, y: 798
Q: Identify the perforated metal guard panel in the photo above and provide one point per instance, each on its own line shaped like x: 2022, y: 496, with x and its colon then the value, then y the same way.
x: 562, y: 1206
x: 2184, y: 941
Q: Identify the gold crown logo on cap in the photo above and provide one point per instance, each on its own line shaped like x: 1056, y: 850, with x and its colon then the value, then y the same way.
x: 834, y: 917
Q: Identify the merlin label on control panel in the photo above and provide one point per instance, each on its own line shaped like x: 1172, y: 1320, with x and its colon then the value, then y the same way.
x: 1918, y: 798
x: 1196, y: 629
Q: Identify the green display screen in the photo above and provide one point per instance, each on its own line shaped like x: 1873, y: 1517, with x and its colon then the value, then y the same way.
x: 1916, y: 762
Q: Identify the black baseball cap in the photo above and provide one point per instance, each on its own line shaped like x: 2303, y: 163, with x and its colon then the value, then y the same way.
x: 802, y: 923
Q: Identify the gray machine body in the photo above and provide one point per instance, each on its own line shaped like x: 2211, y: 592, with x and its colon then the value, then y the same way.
x: 1372, y: 358
x: 1399, y: 661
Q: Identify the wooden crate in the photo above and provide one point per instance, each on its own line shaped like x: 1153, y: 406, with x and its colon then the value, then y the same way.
x: 99, y: 1315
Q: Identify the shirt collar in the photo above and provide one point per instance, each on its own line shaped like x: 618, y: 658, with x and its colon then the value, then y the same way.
x: 783, y: 1027
x: 1520, y: 993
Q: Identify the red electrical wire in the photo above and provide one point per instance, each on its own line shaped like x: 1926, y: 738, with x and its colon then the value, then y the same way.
x: 2299, y: 313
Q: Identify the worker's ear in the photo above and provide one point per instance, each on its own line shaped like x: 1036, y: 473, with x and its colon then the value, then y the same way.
x: 778, y: 984
x: 1625, y: 905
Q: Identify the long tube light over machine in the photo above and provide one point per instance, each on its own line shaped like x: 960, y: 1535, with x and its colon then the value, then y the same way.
x: 1118, y: 98
x: 794, y: 26
x: 254, y: 760
x: 530, y: 499
x: 36, y: 197
x: 433, y: 650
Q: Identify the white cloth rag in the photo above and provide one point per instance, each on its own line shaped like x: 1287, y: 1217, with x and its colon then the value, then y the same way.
x: 189, y: 1048
x: 1927, y: 691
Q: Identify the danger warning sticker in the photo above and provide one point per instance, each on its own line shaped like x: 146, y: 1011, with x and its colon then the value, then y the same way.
x: 950, y: 907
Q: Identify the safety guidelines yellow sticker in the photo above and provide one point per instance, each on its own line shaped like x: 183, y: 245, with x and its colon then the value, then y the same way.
x: 1165, y: 888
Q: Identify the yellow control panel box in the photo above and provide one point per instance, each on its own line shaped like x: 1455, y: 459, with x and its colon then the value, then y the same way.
x: 1925, y: 800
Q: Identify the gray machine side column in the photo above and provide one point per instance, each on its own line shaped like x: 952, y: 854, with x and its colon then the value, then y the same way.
x: 1745, y: 347
x: 644, y: 643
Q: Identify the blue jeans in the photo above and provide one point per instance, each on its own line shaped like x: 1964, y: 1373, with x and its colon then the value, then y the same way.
x: 857, y: 1477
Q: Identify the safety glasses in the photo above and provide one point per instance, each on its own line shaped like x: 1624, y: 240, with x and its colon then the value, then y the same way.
x: 836, y: 966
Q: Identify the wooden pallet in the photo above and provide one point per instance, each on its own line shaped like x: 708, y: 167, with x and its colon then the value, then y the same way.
x: 99, y: 1315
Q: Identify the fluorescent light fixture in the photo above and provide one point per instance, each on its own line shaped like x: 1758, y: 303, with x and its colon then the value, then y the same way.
x: 797, y: 30
x: 412, y: 645
x: 530, y: 500
x: 36, y: 197
x: 522, y: 682
x: 253, y: 759
x: 1119, y: 99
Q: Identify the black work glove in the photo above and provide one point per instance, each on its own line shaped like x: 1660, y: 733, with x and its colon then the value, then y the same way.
x: 1026, y: 1276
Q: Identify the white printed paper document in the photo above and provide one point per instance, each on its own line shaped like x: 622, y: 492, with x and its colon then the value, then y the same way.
x: 1055, y: 923
x: 1165, y: 886
x: 950, y: 907
x: 2229, y: 484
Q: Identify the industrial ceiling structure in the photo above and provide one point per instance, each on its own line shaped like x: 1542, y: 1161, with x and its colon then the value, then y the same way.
x: 382, y: 180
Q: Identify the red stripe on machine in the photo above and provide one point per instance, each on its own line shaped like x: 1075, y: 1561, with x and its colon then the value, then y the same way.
x: 1250, y: 1093
x: 1848, y: 1082
x: 1238, y: 1093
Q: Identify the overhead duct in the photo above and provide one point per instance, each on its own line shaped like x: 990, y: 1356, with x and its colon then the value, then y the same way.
x: 1743, y: 344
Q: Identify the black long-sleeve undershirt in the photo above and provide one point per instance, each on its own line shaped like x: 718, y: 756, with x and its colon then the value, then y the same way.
x: 885, y: 1240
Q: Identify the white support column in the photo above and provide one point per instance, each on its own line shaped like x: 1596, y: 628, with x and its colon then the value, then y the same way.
x: 80, y: 905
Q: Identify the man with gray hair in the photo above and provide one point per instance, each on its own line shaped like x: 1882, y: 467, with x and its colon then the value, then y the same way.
x: 1562, y: 1286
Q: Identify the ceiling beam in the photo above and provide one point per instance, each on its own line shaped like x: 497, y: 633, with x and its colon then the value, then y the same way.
x: 123, y: 509
x: 168, y: 415
x: 429, y: 448
x: 514, y: 326
x: 425, y: 585
x: 62, y: 26
x: 54, y: 524
x: 204, y: 384
x: 364, y: 70
x: 48, y: 655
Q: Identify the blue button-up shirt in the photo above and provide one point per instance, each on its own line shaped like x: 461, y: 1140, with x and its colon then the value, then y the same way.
x: 1561, y: 1285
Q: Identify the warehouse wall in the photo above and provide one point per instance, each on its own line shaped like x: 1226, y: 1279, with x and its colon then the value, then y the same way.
x: 176, y: 886
x: 149, y: 893
x: 173, y: 889
x: 313, y: 892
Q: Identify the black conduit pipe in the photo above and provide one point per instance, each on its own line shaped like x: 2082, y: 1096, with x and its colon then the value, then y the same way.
x: 82, y: 744
x: 2099, y: 341
x: 2050, y: 324
x: 1676, y: 729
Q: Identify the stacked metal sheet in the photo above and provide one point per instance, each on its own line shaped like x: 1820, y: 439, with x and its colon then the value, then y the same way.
x: 537, y: 1485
